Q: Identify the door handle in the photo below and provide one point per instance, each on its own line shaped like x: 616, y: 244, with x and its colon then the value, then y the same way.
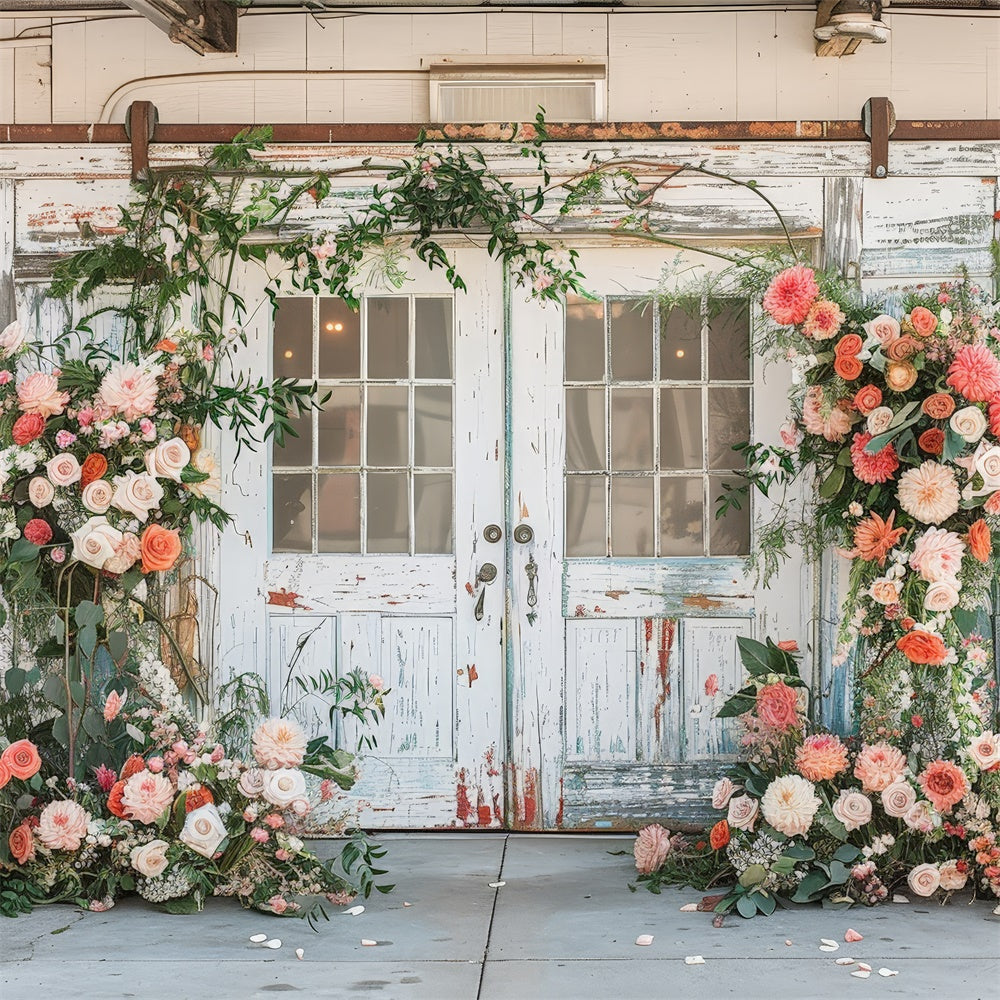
x: 531, y: 570
x: 523, y: 534
x: 486, y: 575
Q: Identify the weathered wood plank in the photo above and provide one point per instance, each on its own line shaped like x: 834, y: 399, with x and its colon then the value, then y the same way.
x: 711, y: 673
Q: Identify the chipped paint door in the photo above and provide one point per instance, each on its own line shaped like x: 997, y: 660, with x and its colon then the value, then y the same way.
x: 627, y: 593
x: 378, y: 555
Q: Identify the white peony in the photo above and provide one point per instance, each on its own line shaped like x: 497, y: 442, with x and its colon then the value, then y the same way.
x: 279, y: 743
x: 283, y: 786
x: 203, y: 830
x: 94, y: 543
x: 789, y: 804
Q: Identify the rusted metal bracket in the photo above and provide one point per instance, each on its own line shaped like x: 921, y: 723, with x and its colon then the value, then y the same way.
x: 140, y: 125
x: 878, y: 119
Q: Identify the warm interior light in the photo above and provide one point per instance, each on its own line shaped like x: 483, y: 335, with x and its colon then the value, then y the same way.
x: 338, y: 327
x: 680, y: 354
x: 329, y: 326
x: 288, y: 354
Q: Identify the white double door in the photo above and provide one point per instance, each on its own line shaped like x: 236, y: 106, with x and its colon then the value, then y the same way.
x: 504, y: 510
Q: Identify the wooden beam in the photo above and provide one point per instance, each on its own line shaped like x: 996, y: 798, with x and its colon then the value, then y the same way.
x: 201, y: 25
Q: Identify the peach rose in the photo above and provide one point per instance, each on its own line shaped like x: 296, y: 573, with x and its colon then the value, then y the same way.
x: 885, y: 590
x: 923, y: 647
x: 63, y: 470
x: 878, y: 420
x: 969, y: 423
x: 97, y: 496
x: 931, y: 441
x: 853, y: 809
x: 167, y: 459
x: 885, y: 328
x: 40, y: 492
x: 743, y: 811
x: 898, y: 799
x: 902, y: 349
x: 941, y: 596
x: 923, y: 321
x: 651, y: 848
x: 22, y: 844
x: 938, y: 406
x: 924, y: 880
x: 160, y: 549
x: 22, y: 759
x: 150, y: 859
x: 39, y: 393
x: 944, y: 784
x: 900, y: 376
x: 137, y: 493
x: 722, y: 793
x: 867, y: 398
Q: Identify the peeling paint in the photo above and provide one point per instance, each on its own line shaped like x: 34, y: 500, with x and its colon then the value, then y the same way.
x: 473, y: 674
x: 286, y: 599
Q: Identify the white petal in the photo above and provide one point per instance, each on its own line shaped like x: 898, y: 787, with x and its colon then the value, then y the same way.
x: 861, y: 974
x: 299, y: 953
x: 368, y: 943
x: 407, y: 904
x: 829, y: 947
x: 897, y: 898
x: 864, y: 967
x: 845, y: 961
x: 830, y: 944
x: 497, y: 885
x: 888, y: 972
x: 273, y: 943
x: 689, y: 908
x: 354, y: 911
x: 694, y: 960
x: 643, y: 940
x: 258, y: 938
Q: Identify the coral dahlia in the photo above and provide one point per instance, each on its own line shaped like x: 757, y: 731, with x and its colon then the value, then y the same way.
x: 975, y: 373
x: 874, y: 538
x: 822, y: 756
x: 791, y: 294
x: 823, y: 321
x: 872, y: 468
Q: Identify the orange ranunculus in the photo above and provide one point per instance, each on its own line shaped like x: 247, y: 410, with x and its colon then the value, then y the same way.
x: 868, y: 398
x: 923, y: 647
x: 938, y: 406
x: 166, y: 345
x: 133, y: 765
x: 900, y: 376
x: 22, y: 843
x: 115, y: 805
x: 22, y: 759
x: 190, y: 434
x: 849, y: 346
x: 198, y: 797
x: 160, y: 548
x: 931, y: 441
x: 847, y: 367
x: 980, y: 540
x: 902, y: 349
x: 923, y: 321
x: 875, y: 538
x: 719, y: 835
x: 93, y: 468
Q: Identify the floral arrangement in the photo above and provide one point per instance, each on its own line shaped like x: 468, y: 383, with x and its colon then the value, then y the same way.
x: 809, y: 815
x: 172, y: 815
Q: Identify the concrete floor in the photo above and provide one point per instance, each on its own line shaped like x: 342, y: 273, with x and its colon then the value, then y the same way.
x: 562, y: 927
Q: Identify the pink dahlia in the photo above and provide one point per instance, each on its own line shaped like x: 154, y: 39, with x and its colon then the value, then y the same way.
x: 937, y: 555
x: 146, y: 795
x: 651, y: 848
x: 39, y: 393
x: 822, y: 756
x: 824, y: 320
x: 929, y: 493
x: 878, y: 766
x: 975, y: 373
x: 63, y: 825
x: 872, y: 468
x: 791, y: 294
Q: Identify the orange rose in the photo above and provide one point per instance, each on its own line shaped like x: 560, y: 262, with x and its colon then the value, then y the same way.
x: 133, y: 765
x: 5, y: 774
x: 868, y: 398
x: 22, y: 844
x: 923, y: 321
x: 902, y: 349
x: 196, y: 798
x: 22, y: 759
x: 900, y: 376
x: 848, y: 368
x: 190, y: 434
x: 160, y: 548
x: 938, y: 406
x: 93, y: 468
x: 719, y: 836
x: 980, y: 540
x: 849, y: 346
x: 922, y: 647
x: 115, y: 805
x: 166, y: 345
x: 931, y: 441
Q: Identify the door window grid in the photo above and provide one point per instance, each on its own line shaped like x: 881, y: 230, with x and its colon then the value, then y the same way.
x: 649, y: 480
x: 355, y: 487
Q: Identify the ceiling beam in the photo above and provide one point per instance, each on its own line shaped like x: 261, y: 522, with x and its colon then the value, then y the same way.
x: 201, y: 25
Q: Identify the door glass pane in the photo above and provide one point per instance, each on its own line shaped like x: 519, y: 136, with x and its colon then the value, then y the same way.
x: 680, y: 429
x: 432, y: 512
x: 293, y: 338
x: 631, y: 429
x: 585, y: 357
x: 388, y: 425
x: 340, y: 427
x: 432, y: 425
x: 296, y: 450
x: 681, y: 508
x: 728, y: 424
x: 731, y: 533
x: 632, y: 516
x: 388, y: 512
x: 433, y: 347
x: 291, y: 519
x: 339, y: 340
x: 586, y: 448
x: 339, y: 510
x: 586, y: 516
x: 729, y: 344
x: 631, y: 332
x: 680, y: 344
x: 388, y: 338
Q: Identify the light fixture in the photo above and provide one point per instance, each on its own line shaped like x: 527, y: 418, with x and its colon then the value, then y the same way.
x: 680, y: 354
x: 288, y: 355
x: 852, y: 20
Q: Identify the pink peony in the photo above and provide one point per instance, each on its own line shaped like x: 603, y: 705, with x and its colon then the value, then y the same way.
x: 130, y: 389
x: 777, y: 706
x: 791, y: 294
x: 818, y: 417
x: 937, y: 555
x: 146, y: 795
x: 711, y: 685
x: 929, y: 493
x: 279, y: 743
x: 63, y: 825
x: 651, y: 848
x: 722, y: 793
x: 873, y: 468
x: 39, y: 393
x: 823, y: 320
x: 821, y: 757
x: 975, y: 373
x: 113, y: 705
x: 260, y: 835
x: 878, y: 766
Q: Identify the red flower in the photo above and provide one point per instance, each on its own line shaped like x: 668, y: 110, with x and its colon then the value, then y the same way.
x: 849, y: 346
x: 975, y: 373
x: 133, y: 765
x: 27, y: 428
x: 870, y: 468
x: 847, y: 367
x: 790, y: 295
x: 923, y: 647
x: 719, y: 835
x: 867, y: 398
x: 38, y: 532
x: 916, y: 721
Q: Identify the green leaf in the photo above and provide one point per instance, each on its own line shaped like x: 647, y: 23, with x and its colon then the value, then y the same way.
x: 60, y: 730
x: 839, y: 873
x: 93, y: 724
x: 755, y: 656
x: 14, y: 680
x: 22, y: 551
x: 78, y: 692
x: 800, y: 852
x: 87, y: 639
x: 833, y: 825
x: 88, y: 613
x: 847, y: 853
x: 117, y: 646
x: 809, y: 888
x: 746, y: 907
x: 753, y: 875
x: 953, y: 445
x: 737, y: 705
x: 54, y: 690
x: 831, y: 486
x: 764, y: 902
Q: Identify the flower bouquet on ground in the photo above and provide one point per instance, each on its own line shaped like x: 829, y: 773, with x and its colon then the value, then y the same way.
x: 174, y: 815
x: 810, y: 816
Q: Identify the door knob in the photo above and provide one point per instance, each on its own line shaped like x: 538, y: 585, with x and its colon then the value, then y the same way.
x: 523, y: 534
x: 492, y: 532
x: 486, y: 575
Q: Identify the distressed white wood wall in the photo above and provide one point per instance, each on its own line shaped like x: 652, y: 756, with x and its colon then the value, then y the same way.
x: 661, y: 65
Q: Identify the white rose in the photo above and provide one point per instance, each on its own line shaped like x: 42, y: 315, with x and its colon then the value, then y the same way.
x: 94, y: 543
x: 924, y: 880
x: 853, y: 809
x: 150, y: 859
x: 203, y: 830
x: 969, y: 423
x: 879, y: 420
x: 985, y: 751
x: 941, y: 596
x: 988, y: 466
x: 167, y: 459
x: 137, y: 493
x: 40, y: 491
x: 283, y: 786
x: 742, y: 812
x: 97, y: 496
x: 898, y: 799
x: 11, y: 338
x: 63, y: 470
x: 722, y: 793
x: 252, y: 782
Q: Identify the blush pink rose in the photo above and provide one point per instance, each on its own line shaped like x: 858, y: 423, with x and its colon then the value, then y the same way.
x: 63, y: 469
x: 651, y: 848
x: 40, y: 492
x: 167, y: 459
x: 39, y: 393
x: 743, y: 810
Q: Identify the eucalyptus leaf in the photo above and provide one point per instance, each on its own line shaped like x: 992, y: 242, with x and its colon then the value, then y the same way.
x: 746, y: 907
x: 54, y: 690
